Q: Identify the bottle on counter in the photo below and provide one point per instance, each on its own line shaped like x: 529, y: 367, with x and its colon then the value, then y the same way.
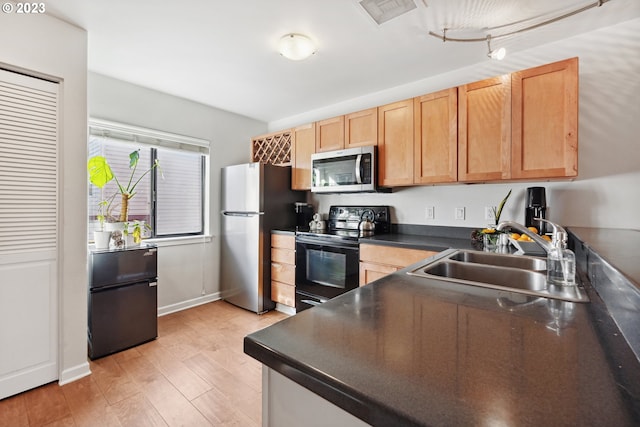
x: 561, y: 262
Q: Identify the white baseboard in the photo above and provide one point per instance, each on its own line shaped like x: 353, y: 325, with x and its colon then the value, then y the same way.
x: 74, y: 373
x: 183, y: 305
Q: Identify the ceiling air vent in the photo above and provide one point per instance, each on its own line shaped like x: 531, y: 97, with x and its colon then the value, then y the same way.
x: 384, y: 10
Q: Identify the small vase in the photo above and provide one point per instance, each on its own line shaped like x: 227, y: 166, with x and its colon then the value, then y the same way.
x: 101, y: 239
x: 490, y: 241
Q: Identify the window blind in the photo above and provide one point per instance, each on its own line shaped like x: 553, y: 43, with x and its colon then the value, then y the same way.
x: 28, y: 163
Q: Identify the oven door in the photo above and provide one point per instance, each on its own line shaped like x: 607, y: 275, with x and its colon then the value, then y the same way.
x: 326, y: 269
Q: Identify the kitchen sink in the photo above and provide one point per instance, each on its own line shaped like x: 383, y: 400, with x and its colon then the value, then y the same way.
x: 502, y: 277
x: 500, y: 260
x: 512, y: 273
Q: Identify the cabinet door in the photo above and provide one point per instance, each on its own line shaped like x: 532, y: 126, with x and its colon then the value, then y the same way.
x: 484, y: 130
x: 361, y: 128
x: 330, y: 134
x: 370, y: 272
x: 545, y: 121
x: 377, y: 261
x: 395, y: 143
x: 304, y: 144
x: 436, y: 137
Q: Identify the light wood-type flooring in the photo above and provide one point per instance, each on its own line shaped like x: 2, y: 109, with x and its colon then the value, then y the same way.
x: 194, y: 374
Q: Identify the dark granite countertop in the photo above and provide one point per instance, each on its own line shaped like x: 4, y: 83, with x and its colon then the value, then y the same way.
x: 402, y: 352
x: 418, y: 352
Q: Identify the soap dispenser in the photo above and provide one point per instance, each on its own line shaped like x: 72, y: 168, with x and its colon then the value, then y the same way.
x: 561, y: 261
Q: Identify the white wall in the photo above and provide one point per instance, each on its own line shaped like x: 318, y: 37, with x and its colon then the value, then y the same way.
x: 607, y: 190
x: 41, y: 45
x: 188, y: 272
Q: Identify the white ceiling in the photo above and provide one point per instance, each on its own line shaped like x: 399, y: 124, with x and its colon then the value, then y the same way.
x: 223, y: 53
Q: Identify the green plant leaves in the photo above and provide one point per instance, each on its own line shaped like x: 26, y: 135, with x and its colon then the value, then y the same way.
x: 500, y: 206
x: 133, y: 159
x: 100, y: 172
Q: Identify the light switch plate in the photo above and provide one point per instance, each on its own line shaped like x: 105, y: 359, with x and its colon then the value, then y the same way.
x: 489, y: 213
x: 459, y: 214
x: 430, y: 212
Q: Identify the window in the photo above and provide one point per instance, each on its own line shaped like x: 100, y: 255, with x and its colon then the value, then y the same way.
x: 170, y: 198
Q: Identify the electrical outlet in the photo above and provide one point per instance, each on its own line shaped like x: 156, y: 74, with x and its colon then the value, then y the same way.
x: 459, y: 214
x: 489, y: 213
x: 430, y: 212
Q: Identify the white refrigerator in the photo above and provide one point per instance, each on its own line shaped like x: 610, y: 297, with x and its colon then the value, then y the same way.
x: 255, y: 198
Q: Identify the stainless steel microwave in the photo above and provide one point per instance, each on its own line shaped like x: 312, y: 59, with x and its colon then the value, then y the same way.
x: 344, y: 171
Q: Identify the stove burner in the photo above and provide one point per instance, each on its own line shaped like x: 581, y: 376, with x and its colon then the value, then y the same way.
x: 343, y: 222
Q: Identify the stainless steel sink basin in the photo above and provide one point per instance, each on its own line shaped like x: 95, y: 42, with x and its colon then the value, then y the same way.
x: 511, y: 278
x: 501, y: 260
x: 512, y: 273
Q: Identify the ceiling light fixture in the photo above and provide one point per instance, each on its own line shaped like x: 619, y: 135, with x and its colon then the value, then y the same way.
x: 296, y: 47
x: 500, y: 53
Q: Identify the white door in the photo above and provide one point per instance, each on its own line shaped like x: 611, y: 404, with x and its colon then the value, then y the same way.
x: 28, y: 232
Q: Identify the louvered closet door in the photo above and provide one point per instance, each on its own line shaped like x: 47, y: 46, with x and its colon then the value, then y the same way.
x: 28, y: 232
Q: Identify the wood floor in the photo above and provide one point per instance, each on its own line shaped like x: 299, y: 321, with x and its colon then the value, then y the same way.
x: 194, y: 374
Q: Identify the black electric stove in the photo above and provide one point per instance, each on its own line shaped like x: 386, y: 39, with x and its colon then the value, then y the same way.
x: 327, y: 261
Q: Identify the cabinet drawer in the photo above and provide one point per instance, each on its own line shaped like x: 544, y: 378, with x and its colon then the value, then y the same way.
x: 390, y: 255
x: 284, y: 256
x: 283, y: 241
x: 283, y: 293
x: 284, y: 273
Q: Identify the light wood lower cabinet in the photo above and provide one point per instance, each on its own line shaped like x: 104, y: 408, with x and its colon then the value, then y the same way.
x: 377, y: 261
x: 283, y: 269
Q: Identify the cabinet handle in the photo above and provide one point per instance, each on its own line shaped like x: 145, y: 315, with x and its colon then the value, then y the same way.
x: 276, y: 266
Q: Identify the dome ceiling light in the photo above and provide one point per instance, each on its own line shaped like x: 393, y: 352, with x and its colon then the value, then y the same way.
x: 296, y: 47
x: 501, y: 52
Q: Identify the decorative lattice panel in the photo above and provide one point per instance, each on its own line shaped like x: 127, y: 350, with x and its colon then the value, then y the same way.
x: 274, y: 148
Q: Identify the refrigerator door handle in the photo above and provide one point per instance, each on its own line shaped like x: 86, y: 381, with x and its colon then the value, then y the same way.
x: 246, y: 214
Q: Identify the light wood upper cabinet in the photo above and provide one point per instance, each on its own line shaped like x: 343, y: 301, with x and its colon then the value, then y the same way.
x: 484, y: 130
x: 395, y: 143
x: 361, y: 128
x: 436, y: 137
x: 330, y: 134
x: 545, y: 121
x: 303, y: 146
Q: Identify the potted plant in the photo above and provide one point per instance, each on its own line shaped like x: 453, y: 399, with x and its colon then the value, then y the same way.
x: 100, y: 173
x: 490, y: 237
x: 133, y: 232
x: 102, y: 237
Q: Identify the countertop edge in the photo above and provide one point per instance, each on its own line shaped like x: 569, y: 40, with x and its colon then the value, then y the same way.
x: 330, y: 389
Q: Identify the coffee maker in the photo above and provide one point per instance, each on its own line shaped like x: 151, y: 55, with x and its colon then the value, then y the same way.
x: 304, y: 215
x: 536, y: 208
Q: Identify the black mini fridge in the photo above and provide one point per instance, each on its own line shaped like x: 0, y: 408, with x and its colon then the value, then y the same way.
x: 122, y: 299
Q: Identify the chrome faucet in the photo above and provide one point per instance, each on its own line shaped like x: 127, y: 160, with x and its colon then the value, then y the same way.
x: 546, y: 245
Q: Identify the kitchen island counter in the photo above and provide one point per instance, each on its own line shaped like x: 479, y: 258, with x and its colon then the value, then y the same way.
x: 419, y: 352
